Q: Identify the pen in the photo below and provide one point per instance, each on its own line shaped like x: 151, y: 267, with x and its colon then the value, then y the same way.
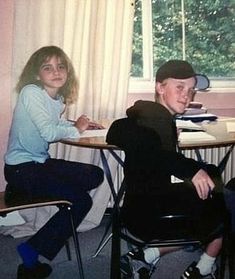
x: 209, y: 193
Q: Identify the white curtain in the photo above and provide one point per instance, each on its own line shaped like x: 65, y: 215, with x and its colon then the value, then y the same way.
x: 97, y: 36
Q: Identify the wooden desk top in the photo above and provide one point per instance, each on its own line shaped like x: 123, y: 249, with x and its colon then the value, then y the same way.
x: 216, y: 128
x: 93, y: 142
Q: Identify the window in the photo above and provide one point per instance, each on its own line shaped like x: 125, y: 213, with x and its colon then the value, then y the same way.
x: 199, y: 31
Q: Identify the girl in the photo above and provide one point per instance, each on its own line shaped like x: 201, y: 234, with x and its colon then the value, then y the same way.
x: 46, y: 85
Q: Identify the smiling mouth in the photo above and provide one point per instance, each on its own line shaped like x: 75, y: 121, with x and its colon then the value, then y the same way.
x: 183, y: 104
x: 57, y: 79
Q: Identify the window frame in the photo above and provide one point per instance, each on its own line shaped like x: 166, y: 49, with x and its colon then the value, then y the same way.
x: 146, y: 84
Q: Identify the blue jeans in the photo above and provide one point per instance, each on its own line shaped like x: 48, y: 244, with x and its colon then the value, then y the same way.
x: 54, y: 179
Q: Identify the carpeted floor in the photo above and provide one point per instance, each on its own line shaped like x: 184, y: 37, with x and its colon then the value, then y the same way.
x: 170, y: 266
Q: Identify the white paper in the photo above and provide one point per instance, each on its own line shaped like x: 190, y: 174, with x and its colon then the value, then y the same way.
x: 187, y: 124
x: 175, y: 179
x: 230, y: 127
x: 94, y: 133
x: 195, y: 137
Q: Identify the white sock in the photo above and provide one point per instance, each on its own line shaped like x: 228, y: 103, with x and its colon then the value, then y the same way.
x: 205, y: 264
x: 151, y: 255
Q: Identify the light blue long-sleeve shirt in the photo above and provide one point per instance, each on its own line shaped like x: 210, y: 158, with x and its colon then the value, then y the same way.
x: 36, y: 123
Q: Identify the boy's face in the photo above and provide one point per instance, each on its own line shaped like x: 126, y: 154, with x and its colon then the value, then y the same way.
x: 176, y: 94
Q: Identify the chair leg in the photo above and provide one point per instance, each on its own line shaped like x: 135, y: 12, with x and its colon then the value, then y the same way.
x: 223, y: 260
x: 231, y: 256
x: 76, y: 245
x: 102, y: 245
x: 105, y: 239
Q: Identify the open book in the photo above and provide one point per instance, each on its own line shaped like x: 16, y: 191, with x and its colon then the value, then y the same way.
x: 94, y: 133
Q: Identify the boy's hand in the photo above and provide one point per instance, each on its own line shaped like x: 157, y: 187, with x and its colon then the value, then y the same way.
x: 203, y: 184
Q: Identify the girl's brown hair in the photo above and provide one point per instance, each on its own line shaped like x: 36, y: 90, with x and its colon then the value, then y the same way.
x: 30, y: 72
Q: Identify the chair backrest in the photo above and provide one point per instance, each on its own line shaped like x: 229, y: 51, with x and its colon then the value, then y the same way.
x: 134, y: 240
x: 6, y: 208
x: 122, y: 133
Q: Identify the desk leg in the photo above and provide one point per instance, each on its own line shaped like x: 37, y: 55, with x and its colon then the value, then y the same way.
x: 198, y: 154
x: 115, y: 252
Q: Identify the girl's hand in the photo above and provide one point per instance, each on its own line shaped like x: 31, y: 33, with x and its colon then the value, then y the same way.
x: 82, y: 123
x: 95, y: 126
x: 203, y: 184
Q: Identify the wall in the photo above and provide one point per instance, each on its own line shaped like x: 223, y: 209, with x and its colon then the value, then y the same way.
x: 221, y: 104
x: 6, y: 29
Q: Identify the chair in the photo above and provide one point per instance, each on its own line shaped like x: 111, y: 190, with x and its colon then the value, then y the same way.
x: 134, y: 241
x: 6, y: 209
x: 120, y: 232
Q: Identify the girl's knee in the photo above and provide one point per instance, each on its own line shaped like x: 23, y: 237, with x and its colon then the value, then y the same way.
x: 89, y: 201
x: 83, y: 203
x: 99, y: 176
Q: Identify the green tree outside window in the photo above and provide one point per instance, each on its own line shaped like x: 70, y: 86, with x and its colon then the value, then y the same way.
x: 200, y: 31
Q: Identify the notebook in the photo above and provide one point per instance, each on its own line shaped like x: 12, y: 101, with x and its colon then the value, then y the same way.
x: 94, y: 133
x: 198, y: 117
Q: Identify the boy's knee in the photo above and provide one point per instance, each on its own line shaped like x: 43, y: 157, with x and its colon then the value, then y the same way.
x: 231, y: 185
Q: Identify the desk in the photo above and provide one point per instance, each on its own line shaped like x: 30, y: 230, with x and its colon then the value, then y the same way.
x: 217, y: 129
x: 99, y: 143
x: 223, y: 138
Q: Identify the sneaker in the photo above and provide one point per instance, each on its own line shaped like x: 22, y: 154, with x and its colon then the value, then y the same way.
x: 192, y: 272
x: 40, y: 271
x: 133, y: 265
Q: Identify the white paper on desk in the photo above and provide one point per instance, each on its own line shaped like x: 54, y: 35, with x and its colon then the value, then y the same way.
x: 94, y: 133
x: 187, y: 124
x: 230, y: 127
x: 195, y: 137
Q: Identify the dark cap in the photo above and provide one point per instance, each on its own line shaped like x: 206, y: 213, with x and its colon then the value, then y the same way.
x: 180, y: 69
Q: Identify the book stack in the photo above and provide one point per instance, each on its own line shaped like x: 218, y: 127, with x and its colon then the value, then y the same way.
x: 197, y: 113
x: 191, y: 132
x: 195, y: 108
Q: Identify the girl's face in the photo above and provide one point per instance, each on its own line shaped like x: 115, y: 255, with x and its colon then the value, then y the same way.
x: 176, y: 94
x: 53, y: 75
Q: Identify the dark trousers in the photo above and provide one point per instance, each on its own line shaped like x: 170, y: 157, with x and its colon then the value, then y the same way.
x: 54, y: 179
x: 204, y: 219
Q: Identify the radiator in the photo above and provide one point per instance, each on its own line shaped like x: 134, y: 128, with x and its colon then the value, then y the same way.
x: 214, y: 156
